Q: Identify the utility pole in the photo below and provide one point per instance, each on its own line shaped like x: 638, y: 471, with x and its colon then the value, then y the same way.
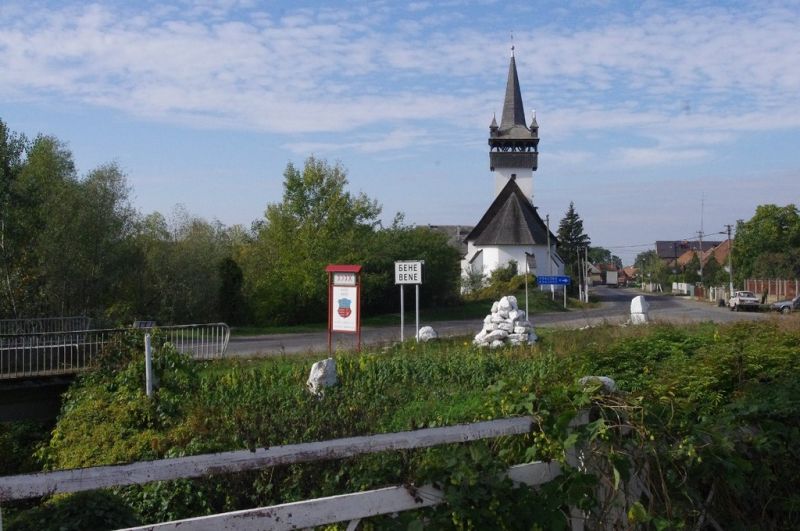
x: 700, y: 235
x: 730, y: 260
x: 549, y: 259
x: 586, y: 273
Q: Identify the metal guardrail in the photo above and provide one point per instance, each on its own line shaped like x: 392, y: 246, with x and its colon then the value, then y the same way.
x: 44, y: 324
x: 55, y: 353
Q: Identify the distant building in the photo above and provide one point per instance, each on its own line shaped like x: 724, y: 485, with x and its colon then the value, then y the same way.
x: 511, y: 228
x: 669, y: 251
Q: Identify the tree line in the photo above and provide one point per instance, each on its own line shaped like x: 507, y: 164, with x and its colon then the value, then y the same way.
x: 765, y: 246
x: 73, y: 244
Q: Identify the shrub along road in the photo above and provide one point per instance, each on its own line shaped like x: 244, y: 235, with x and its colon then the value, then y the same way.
x: 614, y: 309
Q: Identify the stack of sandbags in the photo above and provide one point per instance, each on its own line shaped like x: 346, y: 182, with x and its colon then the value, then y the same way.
x: 506, y: 325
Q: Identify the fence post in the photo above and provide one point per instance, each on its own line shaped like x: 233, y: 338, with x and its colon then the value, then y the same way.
x: 148, y: 366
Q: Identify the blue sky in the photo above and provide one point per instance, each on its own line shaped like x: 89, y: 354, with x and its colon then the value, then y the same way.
x: 644, y: 108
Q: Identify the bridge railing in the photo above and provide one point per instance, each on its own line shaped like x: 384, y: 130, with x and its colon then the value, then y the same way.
x: 33, y: 325
x: 56, y: 353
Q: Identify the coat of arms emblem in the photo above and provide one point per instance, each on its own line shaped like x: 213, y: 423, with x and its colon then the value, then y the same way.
x: 344, y: 308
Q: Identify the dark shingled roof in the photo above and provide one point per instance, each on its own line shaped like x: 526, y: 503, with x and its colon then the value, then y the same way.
x: 513, y: 111
x: 510, y: 220
x: 512, y: 122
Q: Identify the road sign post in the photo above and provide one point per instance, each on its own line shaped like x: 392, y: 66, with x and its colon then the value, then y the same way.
x: 553, y: 280
x: 344, y: 302
x: 408, y: 272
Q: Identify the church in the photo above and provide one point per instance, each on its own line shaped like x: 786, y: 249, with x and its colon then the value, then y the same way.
x: 511, y: 228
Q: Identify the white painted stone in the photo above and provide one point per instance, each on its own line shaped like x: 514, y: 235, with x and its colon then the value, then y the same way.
x: 497, y: 335
x: 639, y: 318
x: 508, y: 327
x: 497, y: 318
x: 521, y: 329
x: 512, y: 300
x: 639, y: 305
x: 323, y: 374
x: 608, y: 384
x: 495, y: 307
x: 427, y: 333
x: 496, y: 344
x: 481, y: 335
x: 487, y: 319
x: 516, y: 315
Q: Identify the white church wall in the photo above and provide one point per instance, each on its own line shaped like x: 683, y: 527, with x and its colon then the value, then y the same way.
x: 498, y: 256
x: 524, y: 178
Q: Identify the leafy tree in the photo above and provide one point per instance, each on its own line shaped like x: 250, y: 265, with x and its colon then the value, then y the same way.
x: 180, y: 277
x: 12, y: 150
x: 769, y: 243
x: 232, y: 308
x: 572, y: 240
x: 651, y: 267
x: 403, y: 242
x: 691, y: 273
x: 713, y: 273
x: 600, y: 255
x: 317, y: 223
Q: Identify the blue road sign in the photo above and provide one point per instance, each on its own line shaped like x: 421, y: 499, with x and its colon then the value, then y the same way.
x: 558, y: 280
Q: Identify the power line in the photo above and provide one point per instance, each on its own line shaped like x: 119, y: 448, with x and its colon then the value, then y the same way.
x: 690, y: 238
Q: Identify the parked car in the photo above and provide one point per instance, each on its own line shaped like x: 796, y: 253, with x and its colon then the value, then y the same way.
x: 743, y: 300
x: 787, y: 306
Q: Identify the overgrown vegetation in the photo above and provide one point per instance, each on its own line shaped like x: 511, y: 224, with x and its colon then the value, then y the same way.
x: 707, y: 416
x: 72, y: 244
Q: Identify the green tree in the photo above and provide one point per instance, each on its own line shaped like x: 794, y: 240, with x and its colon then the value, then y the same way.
x: 713, y: 273
x: 45, y: 193
x: 180, y: 281
x: 317, y: 223
x: 651, y: 267
x: 768, y: 244
x: 232, y: 307
x: 403, y: 242
x: 572, y: 240
x: 691, y: 273
x: 600, y: 255
x: 12, y: 150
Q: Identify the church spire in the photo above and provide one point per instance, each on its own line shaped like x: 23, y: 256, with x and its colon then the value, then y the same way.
x: 513, y: 111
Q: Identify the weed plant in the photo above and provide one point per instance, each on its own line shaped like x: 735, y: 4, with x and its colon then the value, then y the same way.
x: 705, y: 428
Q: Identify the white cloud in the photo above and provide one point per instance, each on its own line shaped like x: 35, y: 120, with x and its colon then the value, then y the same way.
x: 704, y: 74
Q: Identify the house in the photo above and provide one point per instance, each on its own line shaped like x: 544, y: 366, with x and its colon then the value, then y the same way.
x: 669, y: 251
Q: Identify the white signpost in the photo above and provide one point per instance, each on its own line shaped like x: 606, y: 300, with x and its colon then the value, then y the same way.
x: 408, y: 272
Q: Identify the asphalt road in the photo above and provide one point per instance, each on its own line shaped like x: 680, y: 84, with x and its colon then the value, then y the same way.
x: 614, y: 309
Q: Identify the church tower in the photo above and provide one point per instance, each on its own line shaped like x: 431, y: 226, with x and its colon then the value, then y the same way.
x: 513, y: 146
x: 511, y: 229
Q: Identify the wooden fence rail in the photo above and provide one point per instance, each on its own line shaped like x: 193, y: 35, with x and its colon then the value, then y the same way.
x: 306, y: 513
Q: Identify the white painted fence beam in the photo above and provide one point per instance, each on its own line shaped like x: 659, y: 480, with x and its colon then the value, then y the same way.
x: 45, y: 483
x: 342, y: 508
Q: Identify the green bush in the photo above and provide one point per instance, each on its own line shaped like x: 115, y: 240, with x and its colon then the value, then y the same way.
x: 711, y: 413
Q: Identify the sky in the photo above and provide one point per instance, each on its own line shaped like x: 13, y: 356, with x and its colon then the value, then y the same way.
x: 655, y: 118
